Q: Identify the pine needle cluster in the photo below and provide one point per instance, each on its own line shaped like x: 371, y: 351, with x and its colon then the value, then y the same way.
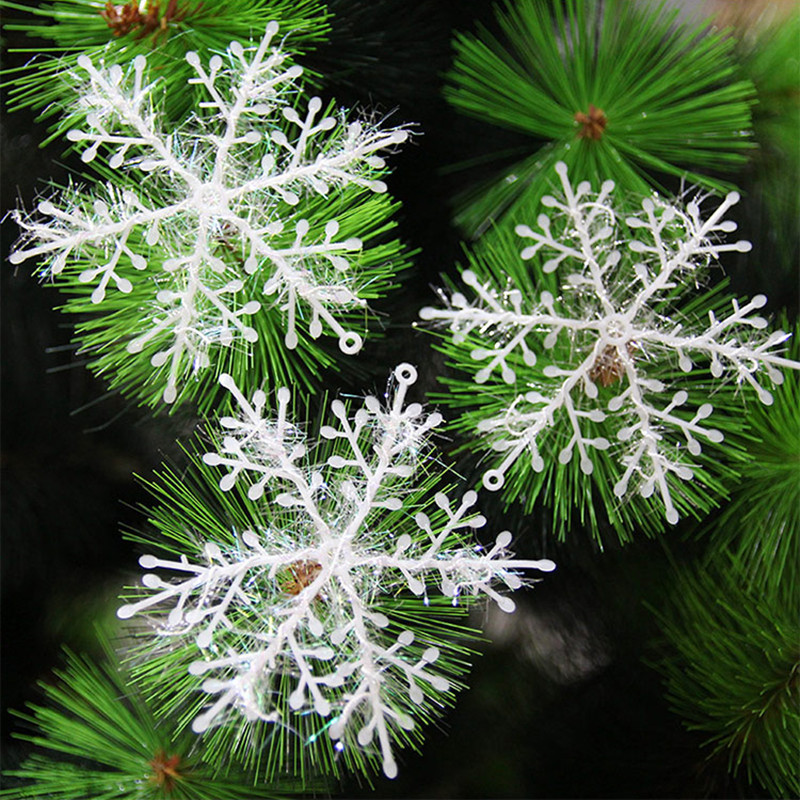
x: 99, y: 738
x: 164, y: 31
x: 611, y: 89
x: 734, y: 672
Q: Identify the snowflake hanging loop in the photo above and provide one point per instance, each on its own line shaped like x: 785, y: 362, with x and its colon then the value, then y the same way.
x: 210, y: 217
x: 608, y: 330
x: 310, y: 590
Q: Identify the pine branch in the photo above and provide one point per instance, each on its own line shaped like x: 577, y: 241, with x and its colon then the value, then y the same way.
x: 163, y: 32
x: 761, y: 525
x: 615, y: 90
x: 734, y: 674
x: 101, y: 739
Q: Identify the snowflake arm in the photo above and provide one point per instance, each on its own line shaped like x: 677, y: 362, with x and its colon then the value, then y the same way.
x: 112, y: 108
x: 105, y: 224
x: 743, y: 358
x: 504, y: 312
x: 460, y: 572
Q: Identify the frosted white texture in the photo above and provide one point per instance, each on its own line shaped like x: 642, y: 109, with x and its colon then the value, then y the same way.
x: 220, y: 186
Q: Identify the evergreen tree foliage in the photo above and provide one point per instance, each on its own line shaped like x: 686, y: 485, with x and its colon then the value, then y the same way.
x: 767, y: 55
x: 98, y: 737
x: 162, y: 30
x: 311, y: 610
x: 614, y: 89
x: 761, y: 525
x: 731, y: 629
x: 734, y: 672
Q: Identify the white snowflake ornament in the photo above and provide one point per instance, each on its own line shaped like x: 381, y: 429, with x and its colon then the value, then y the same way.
x: 206, y: 232
x: 331, y: 587
x: 593, y: 368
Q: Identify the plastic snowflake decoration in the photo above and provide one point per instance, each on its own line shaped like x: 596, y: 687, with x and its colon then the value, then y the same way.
x: 204, y: 224
x: 311, y: 593
x: 599, y: 358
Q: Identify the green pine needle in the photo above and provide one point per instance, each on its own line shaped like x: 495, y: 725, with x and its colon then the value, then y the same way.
x: 76, y: 27
x: 770, y: 59
x: 664, y: 94
x: 100, y: 739
x: 735, y: 672
x: 762, y: 524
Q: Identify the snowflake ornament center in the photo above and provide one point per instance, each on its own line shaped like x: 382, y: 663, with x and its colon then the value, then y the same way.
x: 609, y: 366
x: 211, y: 200
x: 616, y: 331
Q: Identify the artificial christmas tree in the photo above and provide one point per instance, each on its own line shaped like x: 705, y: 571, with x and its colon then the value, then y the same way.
x: 568, y: 660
